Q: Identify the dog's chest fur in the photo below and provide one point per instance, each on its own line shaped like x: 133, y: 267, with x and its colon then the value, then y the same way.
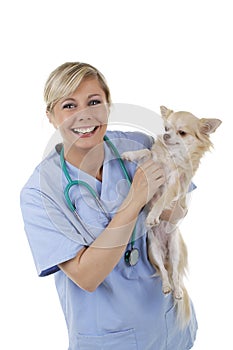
x: 177, y: 167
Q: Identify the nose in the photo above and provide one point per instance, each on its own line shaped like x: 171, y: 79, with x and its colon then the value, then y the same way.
x: 83, y: 118
x: 83, y: 115
x: 166, y: 137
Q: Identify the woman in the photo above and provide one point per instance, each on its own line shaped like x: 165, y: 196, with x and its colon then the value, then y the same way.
x: 84, y: 217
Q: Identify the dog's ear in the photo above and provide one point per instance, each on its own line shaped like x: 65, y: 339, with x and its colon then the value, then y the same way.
x: 208, y: 126
x: 165, y: 112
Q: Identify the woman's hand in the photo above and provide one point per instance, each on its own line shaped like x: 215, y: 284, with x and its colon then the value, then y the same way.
x: 174, y: 215
x: 146, y: 182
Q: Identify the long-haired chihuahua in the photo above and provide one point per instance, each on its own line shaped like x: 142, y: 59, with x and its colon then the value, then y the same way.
x: 179, y: 150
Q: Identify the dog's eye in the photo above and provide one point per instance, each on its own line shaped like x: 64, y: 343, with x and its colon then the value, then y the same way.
x: 166, y: 128
x: 182, y: 133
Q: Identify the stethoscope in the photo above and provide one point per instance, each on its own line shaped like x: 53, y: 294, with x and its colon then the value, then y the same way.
x: 131, y: 255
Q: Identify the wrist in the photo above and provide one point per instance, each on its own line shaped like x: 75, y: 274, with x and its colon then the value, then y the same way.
x: 134, y: 201
x: 130, y: 207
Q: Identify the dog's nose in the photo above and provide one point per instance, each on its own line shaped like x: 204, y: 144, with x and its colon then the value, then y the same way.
x: 166, y: 137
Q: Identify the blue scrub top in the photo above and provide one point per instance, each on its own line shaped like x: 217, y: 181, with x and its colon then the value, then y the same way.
x: 128, y: 311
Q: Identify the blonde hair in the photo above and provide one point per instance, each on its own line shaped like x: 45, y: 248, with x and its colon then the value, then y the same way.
x: 65, y: 79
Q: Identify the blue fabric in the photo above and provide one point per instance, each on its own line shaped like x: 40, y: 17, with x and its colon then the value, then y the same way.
x: 128, y: 310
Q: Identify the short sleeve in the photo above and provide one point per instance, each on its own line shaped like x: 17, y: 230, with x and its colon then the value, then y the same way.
x: 192, y: 187
x: 44, y: 224
x: 144, y: 140
x: 139, y: 140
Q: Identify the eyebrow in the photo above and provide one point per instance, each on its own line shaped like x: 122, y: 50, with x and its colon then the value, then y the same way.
x: 67, y: 99
x: 73, y: 99
x: 92, y: 95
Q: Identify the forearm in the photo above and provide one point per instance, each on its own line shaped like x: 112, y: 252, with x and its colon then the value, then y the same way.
x: 93, y: 264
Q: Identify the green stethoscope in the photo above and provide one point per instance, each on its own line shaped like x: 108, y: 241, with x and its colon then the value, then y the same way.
x: 131, y: 255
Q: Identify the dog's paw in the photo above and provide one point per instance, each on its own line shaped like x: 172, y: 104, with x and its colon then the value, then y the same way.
x: 151, y: 221
x: 128, y: 156
x: 137, y: 156
x: 178, y: 294
x: 167, y: 288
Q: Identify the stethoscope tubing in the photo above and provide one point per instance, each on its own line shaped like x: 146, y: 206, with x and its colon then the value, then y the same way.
x: 72, y: 183
x: 117, y: 154
x: 90, y: 189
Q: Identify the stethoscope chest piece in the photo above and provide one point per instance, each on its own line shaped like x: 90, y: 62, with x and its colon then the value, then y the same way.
x: 132, y: 256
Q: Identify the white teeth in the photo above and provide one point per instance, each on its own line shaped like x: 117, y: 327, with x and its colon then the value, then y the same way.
x: 84, y: 130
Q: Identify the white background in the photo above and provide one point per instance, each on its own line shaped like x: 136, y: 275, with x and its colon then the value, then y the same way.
x: 177, y: 53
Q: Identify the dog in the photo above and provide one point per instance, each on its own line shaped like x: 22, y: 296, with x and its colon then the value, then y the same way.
x: 179, y: 150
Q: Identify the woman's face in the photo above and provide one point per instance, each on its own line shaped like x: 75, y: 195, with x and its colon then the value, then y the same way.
x: 82, y: 116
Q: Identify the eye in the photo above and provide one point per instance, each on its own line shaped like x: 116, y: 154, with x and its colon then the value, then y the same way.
x: 166, y: 128
x: 94, y: 102
x: 182, y: 133
x: 69, y: 106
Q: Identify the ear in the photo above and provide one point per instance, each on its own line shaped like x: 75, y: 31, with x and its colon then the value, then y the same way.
x: 165, y: 112
x: 51, y: 118
x: 208, y: 126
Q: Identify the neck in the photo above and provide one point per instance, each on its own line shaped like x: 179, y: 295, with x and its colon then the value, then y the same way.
x: 89, y: 161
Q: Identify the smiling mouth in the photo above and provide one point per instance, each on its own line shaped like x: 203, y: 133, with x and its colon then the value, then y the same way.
x: 85, y: 131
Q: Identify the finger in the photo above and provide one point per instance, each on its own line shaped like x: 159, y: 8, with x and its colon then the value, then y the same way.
x: 160, y: 181
x: 150, y: 163
x: 153, y: 171
x: 160, y: 175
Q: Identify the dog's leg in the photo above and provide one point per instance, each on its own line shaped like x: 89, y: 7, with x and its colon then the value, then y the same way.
x: 156, y: 253
x: 168, y: 193
x: 156, y: 210
x: 142, y: 155
x: 174, y: 261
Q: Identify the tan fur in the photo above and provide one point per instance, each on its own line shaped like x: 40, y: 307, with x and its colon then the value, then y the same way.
x: 179, y: 151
